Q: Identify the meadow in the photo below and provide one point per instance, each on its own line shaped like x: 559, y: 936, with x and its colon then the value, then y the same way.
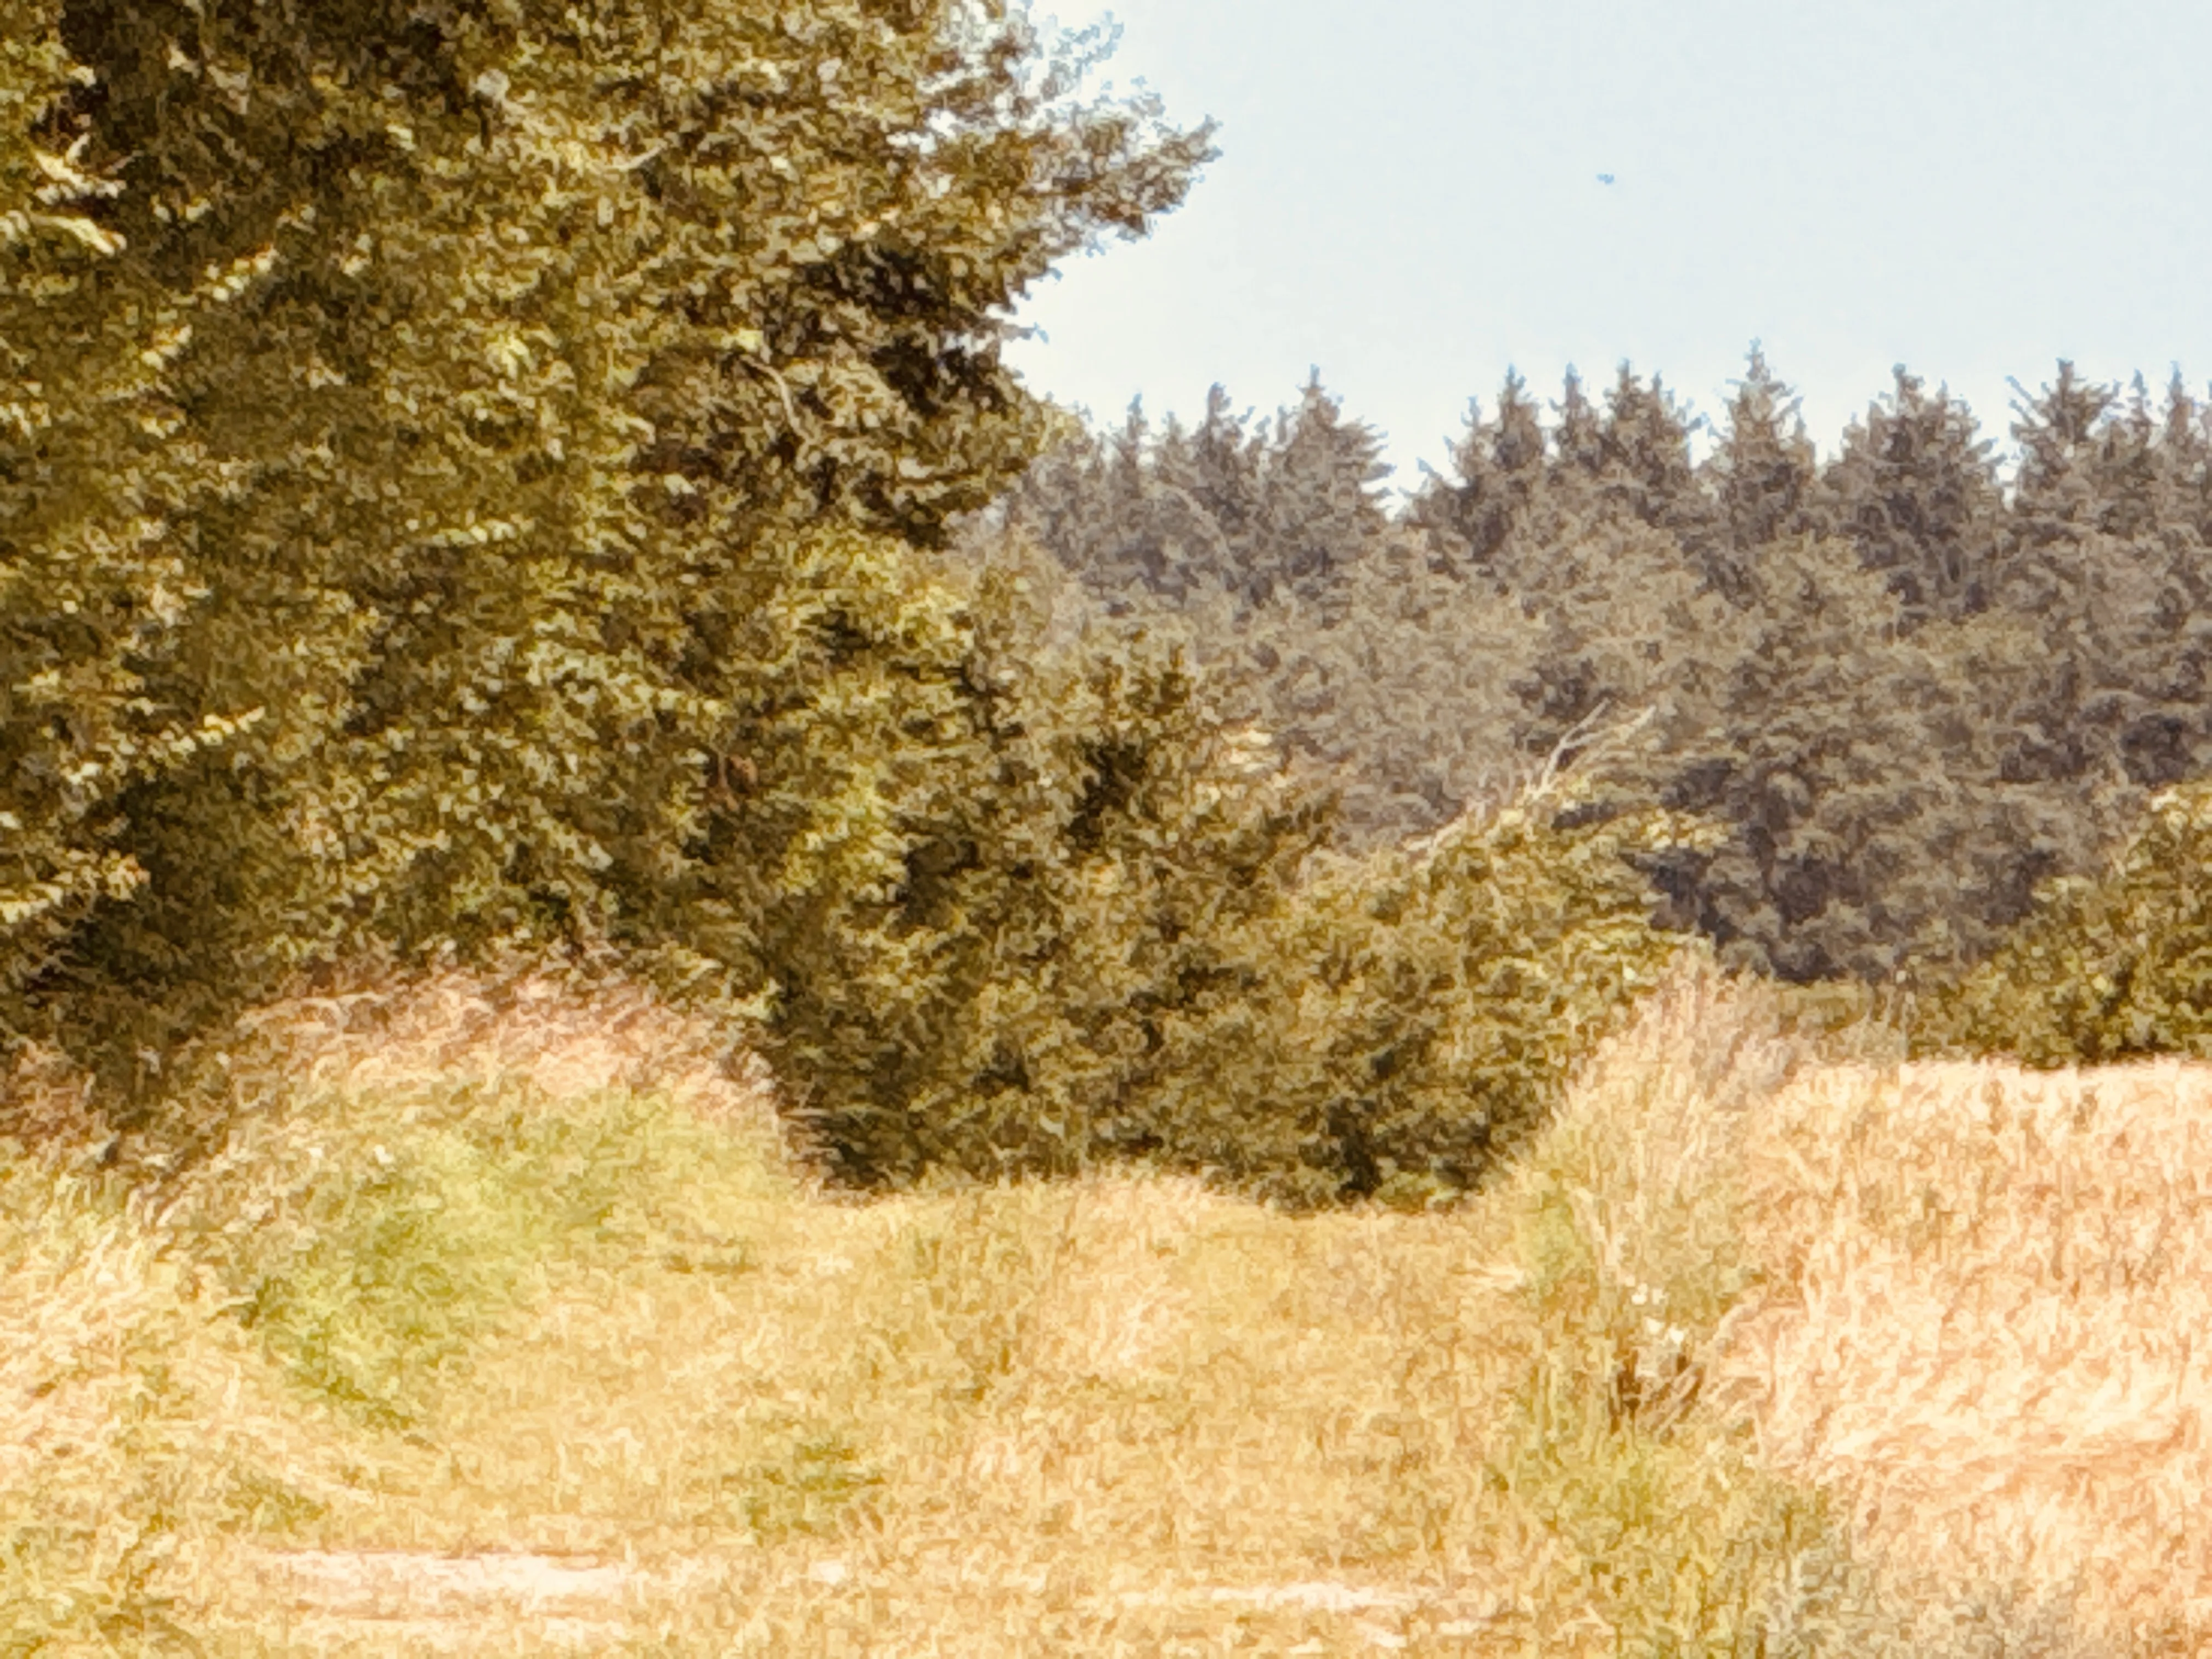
x: 505, y: 1322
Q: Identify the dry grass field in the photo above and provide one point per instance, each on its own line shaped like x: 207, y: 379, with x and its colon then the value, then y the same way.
x: 505, y: 1324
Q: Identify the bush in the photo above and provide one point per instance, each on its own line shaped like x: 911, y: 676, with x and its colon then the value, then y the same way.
x: 1423, y: 1007
x: 2103, y: 971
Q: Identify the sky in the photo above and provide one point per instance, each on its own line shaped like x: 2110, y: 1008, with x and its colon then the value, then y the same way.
x: 1408, y: 199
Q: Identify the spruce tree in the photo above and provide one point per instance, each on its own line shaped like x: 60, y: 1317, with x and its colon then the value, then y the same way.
x: 2055, y: 491
x: 1760, y: 474
x: 1225, y: 475
x: 1497, y: 470
x: 1644, y: 468
x: 1318, y: 505
x: 2185, y: 452
x: 1578, y: 439
x: 1857, y: 772
x: 1916, y: 492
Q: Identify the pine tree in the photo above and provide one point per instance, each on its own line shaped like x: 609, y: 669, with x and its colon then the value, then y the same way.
x: 1498, y: 469
x: 1318, y: 504
x: 1760, y: 475
x: 1644, y: 468
x: 1917, y: 494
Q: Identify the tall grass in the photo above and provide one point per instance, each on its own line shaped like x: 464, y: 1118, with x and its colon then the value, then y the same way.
x: 504, y: 1318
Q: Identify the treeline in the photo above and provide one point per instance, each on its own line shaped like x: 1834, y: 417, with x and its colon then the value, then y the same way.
x: 1908, y: 694
x: 512, y: 478
x: 479, y: 480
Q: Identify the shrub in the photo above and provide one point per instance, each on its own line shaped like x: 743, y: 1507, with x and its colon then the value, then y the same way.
x: 1422, y: 1007
x: 2104, y: 970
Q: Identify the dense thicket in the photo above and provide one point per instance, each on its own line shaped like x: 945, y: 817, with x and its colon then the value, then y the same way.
x: 580, y: 390
x: 539, y: 533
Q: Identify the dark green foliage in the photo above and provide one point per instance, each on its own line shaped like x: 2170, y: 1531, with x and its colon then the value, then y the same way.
x: 2111, y: 967
x: 1497, y: 468
x: 1916, y: 493
x: 1139, y: 518
x: 1398, y: 696
x: 1443, y: 993
x: 92, y: 595
x: 2182, y: 474
x: 1644, y: 470
x: 1886, y: 758
x: 1858, y: 770
x: 2057, y: 487
x: 522, y: 438
x: 1624, y: 618
x: 2103, y: 556
x: 582, y: 432
x: 1401, y: 1020
x: 537, y: 537
x: 1278, y: 515
x: 1761, y: 475
x: 1319, y: 510
x: 976, y: 975
x: 1113, y: 940
x: 1578, y: 438
x: 1380, y: 667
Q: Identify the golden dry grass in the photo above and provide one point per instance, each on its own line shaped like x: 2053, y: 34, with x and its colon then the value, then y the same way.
x: 1747, y: 1352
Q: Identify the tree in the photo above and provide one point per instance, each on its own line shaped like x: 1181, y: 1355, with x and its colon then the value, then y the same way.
x: 2185, y: 452
x: 1761, y: 475
x: 2101, y: 554
x: 2055, y: 489
x: 1499, y: 468
x: 94, y: 592
x: 1644, y: 470
x: 1858, y: 770
x: 1577, y: 439
x: 565, y: 351
x: 1916, y: 493
x: 1317, y: 503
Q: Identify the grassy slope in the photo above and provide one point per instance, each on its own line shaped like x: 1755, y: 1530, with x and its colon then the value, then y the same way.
x: 515, y: 1277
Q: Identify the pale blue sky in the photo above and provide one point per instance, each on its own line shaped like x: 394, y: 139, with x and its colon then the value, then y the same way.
x: 1407, y: 197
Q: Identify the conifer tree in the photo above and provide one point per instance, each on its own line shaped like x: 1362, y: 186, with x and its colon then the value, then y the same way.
x: 1645, y: 469
x: 1631, y: 463
x: 2185, y: 452
x: 1318, y: 505
x: 2055, y: 491
x: 1497, y: 470
x: 2115, y: 593
x: 1760, y: 474
x: 2125, y: 468
x: 1858, y: 773
x: 1916, y: 493
x: 1225, y: 473
x: 1577, y: 439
